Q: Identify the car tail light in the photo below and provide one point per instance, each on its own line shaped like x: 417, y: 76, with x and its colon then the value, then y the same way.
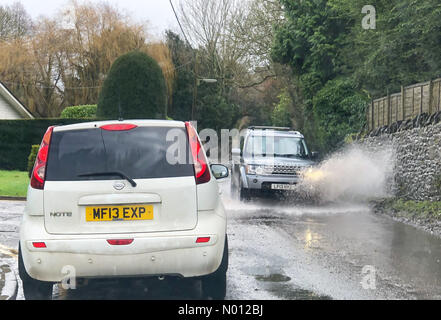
x: 119, y: 242
x: 203, y: 240
x: 39, y: 171
x: 202, y: 172
x: 39, y: 244
x: 118, y: 127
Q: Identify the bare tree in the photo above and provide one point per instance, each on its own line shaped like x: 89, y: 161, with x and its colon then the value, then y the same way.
x: 253, y: 31
x: 64, y: 60
x: 206, y: 24
x: 235, y: 37
x: 46, y: 44
x: 14, y: 22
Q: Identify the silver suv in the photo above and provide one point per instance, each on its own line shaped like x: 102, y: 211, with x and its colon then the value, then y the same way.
x: 271, y: 160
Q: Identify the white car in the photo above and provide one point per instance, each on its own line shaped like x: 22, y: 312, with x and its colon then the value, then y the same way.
x: 123, y: 199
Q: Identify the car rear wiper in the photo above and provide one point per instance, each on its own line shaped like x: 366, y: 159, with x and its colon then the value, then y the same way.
x: 110, y: 173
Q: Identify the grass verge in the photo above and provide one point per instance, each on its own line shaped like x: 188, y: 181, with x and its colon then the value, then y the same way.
x: 418, y: 209
x: 410, y: 209
x: 425, y: 215
x: 13, y: 183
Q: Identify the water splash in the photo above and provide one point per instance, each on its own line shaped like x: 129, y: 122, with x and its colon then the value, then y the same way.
x: 352, y: 175
x: 341, y: 184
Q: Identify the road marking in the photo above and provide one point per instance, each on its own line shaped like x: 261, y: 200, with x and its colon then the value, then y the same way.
x: 8, y: 251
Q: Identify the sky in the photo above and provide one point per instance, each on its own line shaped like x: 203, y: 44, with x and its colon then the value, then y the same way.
x: 158, y: 13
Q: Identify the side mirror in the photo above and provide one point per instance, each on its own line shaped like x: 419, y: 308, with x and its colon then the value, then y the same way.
x: 315, y: 155
x: 219, y: 171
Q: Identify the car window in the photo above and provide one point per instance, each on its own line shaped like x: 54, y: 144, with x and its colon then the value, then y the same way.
x: 140, y: 153
x: 280, y: 146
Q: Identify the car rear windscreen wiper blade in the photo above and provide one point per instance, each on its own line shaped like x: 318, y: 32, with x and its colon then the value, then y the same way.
x: 110, y: 173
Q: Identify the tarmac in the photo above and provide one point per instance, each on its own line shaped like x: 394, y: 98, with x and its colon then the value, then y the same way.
x: 11, y: 209
x: 8, y: 283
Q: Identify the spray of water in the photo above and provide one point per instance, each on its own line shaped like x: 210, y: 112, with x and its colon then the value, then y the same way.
x: 352, y: 175
x: 340, y: 184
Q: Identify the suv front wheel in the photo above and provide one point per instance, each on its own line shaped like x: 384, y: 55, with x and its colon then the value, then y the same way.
x: 244, y: 193
x: 33, y: 289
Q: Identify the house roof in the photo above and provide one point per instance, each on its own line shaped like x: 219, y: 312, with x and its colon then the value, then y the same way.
x: 15, y: 102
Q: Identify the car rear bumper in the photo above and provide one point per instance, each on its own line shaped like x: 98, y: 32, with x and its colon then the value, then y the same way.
x: 264, y: 182
x: 92, y: 256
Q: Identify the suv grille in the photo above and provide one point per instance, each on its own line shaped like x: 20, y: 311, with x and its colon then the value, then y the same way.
x: 283, y: 170
x: 288, y: 170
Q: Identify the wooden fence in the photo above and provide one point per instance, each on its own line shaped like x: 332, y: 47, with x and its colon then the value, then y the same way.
x: 407, y: 104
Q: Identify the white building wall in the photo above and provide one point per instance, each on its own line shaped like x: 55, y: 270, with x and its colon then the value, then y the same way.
x: 6, y: 111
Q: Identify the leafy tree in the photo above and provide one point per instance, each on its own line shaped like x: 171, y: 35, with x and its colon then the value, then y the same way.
x: 281, y: 117
x: 309, y: 41
x: 134, y: 88
x: 402, y: 50
x: 214, y: 107
x: 338, y: 110
x: 217, y: 113
x: 182, y: 56
x: 214, y: 110
x: 79, y: 112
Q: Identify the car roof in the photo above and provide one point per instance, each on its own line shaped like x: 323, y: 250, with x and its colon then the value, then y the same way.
x: 274, y: 132
x: 138, y: 122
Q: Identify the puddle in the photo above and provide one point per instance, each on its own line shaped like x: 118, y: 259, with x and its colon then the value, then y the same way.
x: 273, y: 278
x: 277, y: 284
x: 290, y: 293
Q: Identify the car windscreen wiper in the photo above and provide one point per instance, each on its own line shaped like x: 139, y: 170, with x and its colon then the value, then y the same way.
x: 110, y: 173
x: 287, y: 155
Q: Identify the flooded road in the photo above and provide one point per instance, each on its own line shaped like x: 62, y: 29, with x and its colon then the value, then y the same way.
x: 286, y: 251
x: 338, y: 252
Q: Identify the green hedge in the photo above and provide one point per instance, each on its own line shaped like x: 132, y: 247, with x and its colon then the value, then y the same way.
x: 79, y: 112
x: 18, y: 136
x: 32, y: 157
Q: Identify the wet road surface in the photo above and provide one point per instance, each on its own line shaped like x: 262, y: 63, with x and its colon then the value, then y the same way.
x: 341, y: 252
x: 284, y: 251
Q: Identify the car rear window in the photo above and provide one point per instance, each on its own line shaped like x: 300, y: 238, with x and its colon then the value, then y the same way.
x: 140, y: 153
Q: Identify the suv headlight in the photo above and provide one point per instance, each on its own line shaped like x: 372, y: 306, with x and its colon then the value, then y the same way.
x: 250, y: 169
x: 254, y: 169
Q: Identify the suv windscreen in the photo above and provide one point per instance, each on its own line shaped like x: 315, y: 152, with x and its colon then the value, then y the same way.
x: 276, y: 146
x: 140, y: 153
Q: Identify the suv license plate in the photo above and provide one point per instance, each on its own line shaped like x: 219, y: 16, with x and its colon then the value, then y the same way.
x: 275, y: 186
x: 119, y: 213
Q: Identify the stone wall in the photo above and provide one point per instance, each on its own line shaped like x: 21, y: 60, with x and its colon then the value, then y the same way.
x: 417, y: 152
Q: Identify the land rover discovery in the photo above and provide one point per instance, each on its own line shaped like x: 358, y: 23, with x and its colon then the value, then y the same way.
x: 271, y: 159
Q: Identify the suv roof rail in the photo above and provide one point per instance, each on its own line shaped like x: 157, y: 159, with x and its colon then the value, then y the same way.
x: 270, y: 128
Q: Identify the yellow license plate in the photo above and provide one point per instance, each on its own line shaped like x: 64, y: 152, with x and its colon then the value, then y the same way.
x: 119, y: 213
